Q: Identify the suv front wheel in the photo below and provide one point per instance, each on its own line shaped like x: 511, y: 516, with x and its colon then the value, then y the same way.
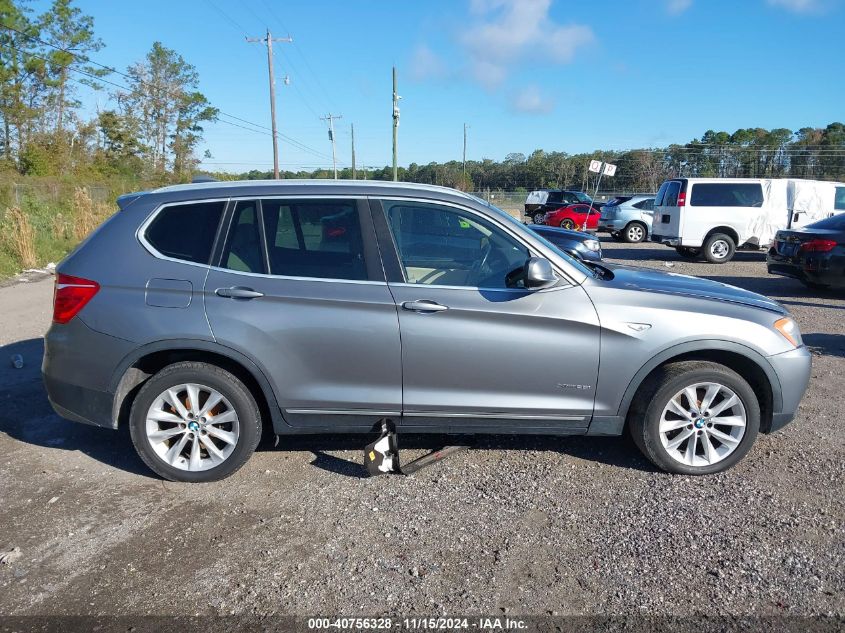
x: 194, y: 422
x: 695, y: 418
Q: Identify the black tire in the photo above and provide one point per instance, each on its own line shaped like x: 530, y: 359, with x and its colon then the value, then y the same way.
x: 539, y: 218
x: 660, y: 387
x: 687, y: 253
x: 568, y: 224
x: 719, y: 248
x: 635, y: 232
x: 616, y: 236
x: 249, y: 418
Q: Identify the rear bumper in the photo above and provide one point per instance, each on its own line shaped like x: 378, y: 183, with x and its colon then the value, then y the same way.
x: 77, y: 370
x: 793, y: 371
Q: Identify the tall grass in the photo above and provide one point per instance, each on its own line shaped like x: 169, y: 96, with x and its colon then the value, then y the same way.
x: 19, y: 237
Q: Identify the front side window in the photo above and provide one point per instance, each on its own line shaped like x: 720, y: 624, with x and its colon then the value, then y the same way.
x: 583, y: 197
x: 444, y: 246
x: 735, y: 194
x: 186, y: 231
x: 314, y: 238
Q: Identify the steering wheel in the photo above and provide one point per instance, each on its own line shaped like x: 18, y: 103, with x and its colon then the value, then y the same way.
x: 478, y: 266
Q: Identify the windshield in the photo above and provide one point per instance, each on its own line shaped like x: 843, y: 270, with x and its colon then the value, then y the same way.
x: 507, y: 217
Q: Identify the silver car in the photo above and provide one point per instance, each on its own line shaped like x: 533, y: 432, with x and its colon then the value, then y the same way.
x: 628, y: 218
x: 202, y: 316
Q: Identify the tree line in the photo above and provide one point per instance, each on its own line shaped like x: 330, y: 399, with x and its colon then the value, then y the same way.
x: 150, y: 131
x: 815, y: 153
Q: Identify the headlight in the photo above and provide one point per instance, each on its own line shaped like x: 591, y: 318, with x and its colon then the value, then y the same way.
x: 789, y: 330
x: 593, y: 245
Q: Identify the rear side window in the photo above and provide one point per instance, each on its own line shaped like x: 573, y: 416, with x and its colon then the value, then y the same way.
x: 186, y: 231
x: 243, y: 251
x: 314, y: 238
x: 729, y: 194
x: 645, y: 205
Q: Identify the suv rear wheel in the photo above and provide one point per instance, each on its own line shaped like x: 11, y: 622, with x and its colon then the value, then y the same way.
x: 695, y: 418
x: 194, y: 422
x: 719, y: 248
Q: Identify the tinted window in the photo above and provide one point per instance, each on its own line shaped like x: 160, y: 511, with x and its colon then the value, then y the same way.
x: 839, y: 202
x: 735, y: 194
x: 670, y: 196
x: 186, y: 231
x: 243, y: 251
x: 582, y: 197
x: 555, y: 196
x: 447, y: 247
x: 314, y: 238
x: 834, y: 223
x: 658, y: 199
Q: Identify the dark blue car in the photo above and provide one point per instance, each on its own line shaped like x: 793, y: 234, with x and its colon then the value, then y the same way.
x: 580, y: 245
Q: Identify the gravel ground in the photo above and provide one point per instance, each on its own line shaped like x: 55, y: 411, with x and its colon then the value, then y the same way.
x: 528, y: 526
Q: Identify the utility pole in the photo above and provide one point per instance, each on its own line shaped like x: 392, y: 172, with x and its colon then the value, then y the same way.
x: 465, y: 150
x: 330, y: 118
x: 352, y: 129
x: 268, y: 41
x: 396, y: 98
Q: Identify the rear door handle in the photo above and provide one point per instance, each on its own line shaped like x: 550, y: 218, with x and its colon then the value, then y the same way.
x: 424, y: 305
x: 238, y: 292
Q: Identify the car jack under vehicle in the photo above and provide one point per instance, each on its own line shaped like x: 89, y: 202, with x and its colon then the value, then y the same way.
x: 382, y: 456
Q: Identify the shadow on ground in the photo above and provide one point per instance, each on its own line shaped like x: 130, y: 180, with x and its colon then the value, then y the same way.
x: 26, y: 416
x: 826, y: 344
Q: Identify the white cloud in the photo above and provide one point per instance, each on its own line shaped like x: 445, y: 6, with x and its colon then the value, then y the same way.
x: 530, y: 100
x: 426, y: 64
x: 798, y: 6
x: 504, y: 32
x: 676, y: 7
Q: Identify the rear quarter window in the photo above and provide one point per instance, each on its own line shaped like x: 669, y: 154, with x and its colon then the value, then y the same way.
x: 733, y: 194
x: 186, y: 231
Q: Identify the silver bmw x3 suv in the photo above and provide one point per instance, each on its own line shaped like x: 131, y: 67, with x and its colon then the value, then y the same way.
x: 203, y: 315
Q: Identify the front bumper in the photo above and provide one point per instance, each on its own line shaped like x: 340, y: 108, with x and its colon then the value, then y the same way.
x: 793, y: 371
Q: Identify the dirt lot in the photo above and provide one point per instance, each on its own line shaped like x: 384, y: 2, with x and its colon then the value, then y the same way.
x: 515, y: 526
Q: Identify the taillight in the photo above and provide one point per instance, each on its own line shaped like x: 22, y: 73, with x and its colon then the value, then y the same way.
x: 818, y: 246
x: 682, y: 199
x: 70, y: 296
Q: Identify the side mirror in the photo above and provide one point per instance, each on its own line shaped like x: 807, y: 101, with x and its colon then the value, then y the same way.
x: 539, y: 274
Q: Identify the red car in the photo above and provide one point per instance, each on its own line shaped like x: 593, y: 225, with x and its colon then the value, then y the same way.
x: 573, y: 216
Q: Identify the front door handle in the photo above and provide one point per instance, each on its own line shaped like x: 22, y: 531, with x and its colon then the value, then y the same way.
x: 238, y: 292
x: 424, y: 305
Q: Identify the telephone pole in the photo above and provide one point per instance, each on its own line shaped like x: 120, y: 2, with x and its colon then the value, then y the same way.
x: 396, y: 98
x: 268, y: 42
x: 330, y: 118
x: 352, y: 129
x: 465, y: 150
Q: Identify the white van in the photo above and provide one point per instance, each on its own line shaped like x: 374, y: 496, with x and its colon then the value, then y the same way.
x: 715, y: 216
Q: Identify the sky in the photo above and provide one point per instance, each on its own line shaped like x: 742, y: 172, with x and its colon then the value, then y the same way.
x: 558, y: 75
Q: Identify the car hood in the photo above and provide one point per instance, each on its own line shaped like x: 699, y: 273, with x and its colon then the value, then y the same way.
x: 658, y: 281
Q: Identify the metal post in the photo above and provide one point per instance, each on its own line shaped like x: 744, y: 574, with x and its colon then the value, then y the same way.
x: 395, y: 125
x: 352, y: 129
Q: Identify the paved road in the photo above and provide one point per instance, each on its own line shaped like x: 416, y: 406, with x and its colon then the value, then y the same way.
x: 517, y: 526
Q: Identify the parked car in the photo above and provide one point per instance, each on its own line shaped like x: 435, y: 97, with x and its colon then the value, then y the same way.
x: 230, y: 315
x: 714, y: 217
x: 815, y: 254
x: 573, y: 216
x: 541, y: 201
x: 628, y: 218
x: 575, y: 243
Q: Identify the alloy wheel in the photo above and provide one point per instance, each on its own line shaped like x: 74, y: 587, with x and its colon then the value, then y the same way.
x: 192, y: 427
x: 702, y: 424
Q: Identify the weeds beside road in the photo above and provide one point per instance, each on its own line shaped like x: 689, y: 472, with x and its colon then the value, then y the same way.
x: 518, y: 525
